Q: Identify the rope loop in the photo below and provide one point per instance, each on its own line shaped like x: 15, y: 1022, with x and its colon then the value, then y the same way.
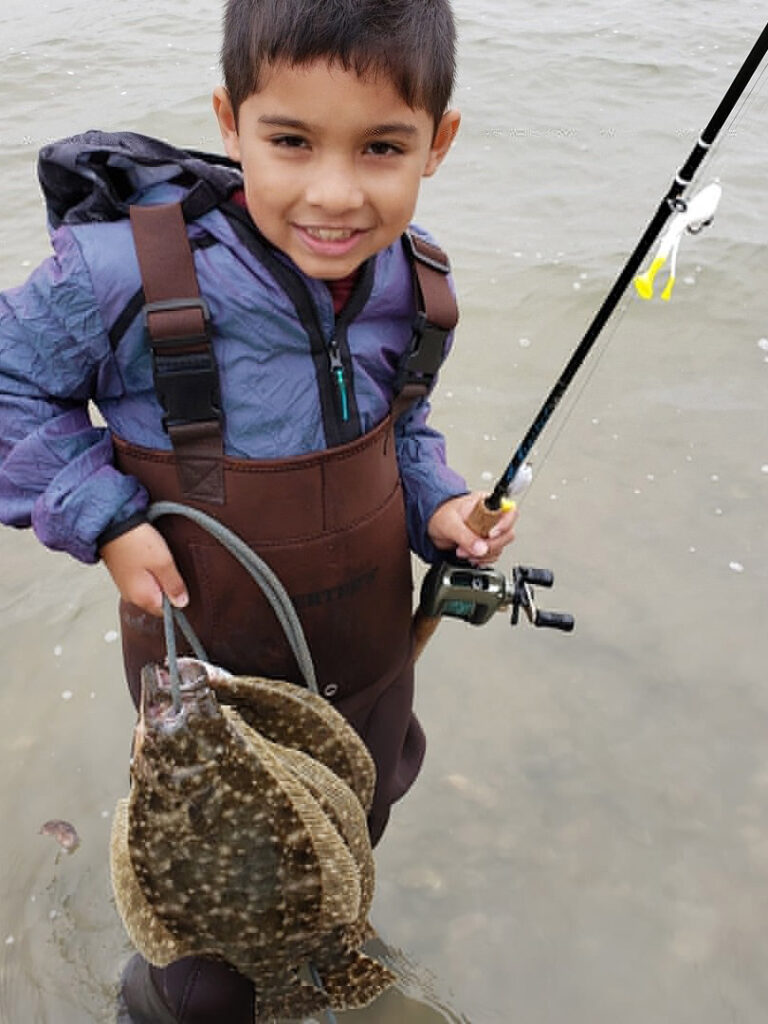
x: 258, y: 570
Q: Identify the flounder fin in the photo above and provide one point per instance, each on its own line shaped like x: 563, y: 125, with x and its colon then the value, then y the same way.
x: 339, y: 895
x: 300, y: 1000
x: 355, y: 980
x: 145, y: 929
x: 295, y: 717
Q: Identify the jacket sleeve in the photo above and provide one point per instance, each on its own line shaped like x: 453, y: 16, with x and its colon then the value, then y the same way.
x: 427, y: 480
x: 56, y: 471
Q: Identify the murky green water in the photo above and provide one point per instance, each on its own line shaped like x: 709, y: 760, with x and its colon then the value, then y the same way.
x: 589, y: 839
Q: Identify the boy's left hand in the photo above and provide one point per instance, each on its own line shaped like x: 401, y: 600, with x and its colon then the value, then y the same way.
x: 448, y: 529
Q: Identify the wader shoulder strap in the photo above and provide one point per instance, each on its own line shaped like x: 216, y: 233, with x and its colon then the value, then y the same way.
x: 437, y: 314
x: 184, y: 367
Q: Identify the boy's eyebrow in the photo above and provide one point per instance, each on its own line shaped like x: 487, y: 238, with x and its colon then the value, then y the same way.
x: 395, y: 128
x: 277, y: 121
x: 389, y: 128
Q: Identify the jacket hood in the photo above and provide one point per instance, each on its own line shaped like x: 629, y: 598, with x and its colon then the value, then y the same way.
x: 96, y: 176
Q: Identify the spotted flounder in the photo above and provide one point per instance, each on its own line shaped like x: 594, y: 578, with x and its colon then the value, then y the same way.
x: 295, y: 717
x: 249, y: 845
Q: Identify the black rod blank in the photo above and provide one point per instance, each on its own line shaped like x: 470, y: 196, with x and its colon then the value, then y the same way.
x: 666, y: 207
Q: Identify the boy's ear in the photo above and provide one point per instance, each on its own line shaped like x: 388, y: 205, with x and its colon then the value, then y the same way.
x: 443, y: 140
x: 225, y: 115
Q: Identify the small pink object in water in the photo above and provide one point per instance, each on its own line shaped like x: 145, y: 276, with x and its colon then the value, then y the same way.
x: 64, y: 834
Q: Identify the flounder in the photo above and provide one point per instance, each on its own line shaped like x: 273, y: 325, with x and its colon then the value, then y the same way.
x: 295, y: 717
x: 247, y: 846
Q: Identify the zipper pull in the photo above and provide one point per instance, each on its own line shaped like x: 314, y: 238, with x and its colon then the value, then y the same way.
x: 337, y: 372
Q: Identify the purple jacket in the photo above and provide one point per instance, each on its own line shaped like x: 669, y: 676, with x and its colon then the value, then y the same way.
x: 73, y: 334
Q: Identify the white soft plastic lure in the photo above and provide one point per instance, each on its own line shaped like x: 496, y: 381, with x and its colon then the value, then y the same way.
x: 698, y: 212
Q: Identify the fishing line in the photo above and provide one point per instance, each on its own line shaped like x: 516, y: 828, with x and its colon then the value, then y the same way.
x: 716, y: 153
x: 457, y: 588
x: 540, y: 461
x: 682, y: 213
x: 716, y: 158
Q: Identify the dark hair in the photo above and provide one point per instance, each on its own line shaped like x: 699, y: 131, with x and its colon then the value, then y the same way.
x: 412, y: 42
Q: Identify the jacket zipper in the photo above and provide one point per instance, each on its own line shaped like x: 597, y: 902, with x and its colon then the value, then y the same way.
x: 339, y: 378
x: 330, y: 355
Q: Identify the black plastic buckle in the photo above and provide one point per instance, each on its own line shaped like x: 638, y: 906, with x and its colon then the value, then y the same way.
x: 186, y: 383
x: 188, y: 393
x: 173, y: 306
x: 425, y: 353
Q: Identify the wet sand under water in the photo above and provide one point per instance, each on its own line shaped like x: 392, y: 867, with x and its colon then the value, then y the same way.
x: 589, y: 838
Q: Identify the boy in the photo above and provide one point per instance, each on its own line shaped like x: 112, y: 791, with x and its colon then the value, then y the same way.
x: 275, y: 389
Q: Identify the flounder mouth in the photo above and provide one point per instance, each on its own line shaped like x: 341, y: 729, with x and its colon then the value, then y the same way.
x: 157, y: 710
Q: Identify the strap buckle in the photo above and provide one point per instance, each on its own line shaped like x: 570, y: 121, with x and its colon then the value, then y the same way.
x: 178, y: 306
x: 184, y: 369
x: 425, y: 354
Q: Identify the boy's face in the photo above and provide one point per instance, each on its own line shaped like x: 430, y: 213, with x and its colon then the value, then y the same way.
x: 332, y: 162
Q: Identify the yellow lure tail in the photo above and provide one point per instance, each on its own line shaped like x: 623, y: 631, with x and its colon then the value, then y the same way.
x: 644, y: 282
x: 692, y: 216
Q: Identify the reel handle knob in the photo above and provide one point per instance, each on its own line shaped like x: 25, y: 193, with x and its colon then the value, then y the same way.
x: 536, y: 577
x: 555, y: 620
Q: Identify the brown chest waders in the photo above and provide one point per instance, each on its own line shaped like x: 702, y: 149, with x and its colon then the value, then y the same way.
x: 330, y: 524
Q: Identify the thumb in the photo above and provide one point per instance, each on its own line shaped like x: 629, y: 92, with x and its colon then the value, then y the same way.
x: 468, y: 544
x: 172, y: 585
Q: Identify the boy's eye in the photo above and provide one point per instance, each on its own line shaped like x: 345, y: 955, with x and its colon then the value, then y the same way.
x: 289, y: 141
x: 383, y: 148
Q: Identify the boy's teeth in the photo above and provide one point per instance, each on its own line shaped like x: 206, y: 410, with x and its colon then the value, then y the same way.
x: 330, y: 234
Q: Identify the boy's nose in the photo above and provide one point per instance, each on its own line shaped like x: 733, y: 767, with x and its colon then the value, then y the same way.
x: 334, y: 188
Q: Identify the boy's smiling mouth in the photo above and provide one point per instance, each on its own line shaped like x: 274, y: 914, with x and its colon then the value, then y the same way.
x: 329, y: 242
x: 324, y: 234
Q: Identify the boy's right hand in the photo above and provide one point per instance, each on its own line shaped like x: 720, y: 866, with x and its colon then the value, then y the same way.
x: 142, y: 566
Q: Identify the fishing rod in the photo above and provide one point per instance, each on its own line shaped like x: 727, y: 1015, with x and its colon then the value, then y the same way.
x: 448, y: 588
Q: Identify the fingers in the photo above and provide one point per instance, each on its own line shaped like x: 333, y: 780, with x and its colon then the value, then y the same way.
x: 171, y: 583
x: 143, y: 568
x: 468, y: 543
x: 147, y: 594
x: 485, y: 551
x: 146, y: 587
x: 478, y: 534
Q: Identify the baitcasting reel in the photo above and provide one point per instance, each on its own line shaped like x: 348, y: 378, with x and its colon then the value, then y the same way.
x: 473, y: 594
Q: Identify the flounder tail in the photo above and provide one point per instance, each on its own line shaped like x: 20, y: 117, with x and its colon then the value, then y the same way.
x: 355, y: 980
x: 300, y: 1000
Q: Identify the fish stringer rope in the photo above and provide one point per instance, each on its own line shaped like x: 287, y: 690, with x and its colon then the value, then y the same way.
x: 259, y: 571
